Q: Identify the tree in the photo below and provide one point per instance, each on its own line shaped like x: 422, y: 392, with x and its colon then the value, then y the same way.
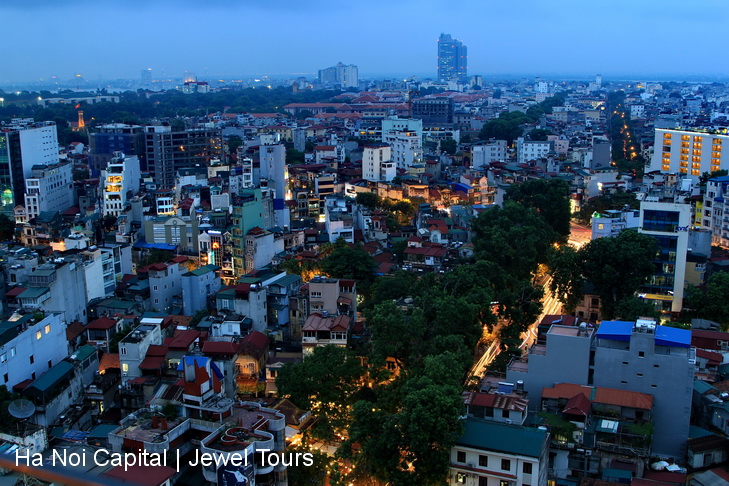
x: 7, y: 227
x: 616, y: 267
x: 514, y: 237
x: 234, y: 141
x: 117, y: 337
x: 349, y: 261
x: 599, y: 204
x: 711, y: 301
x: 539, y: 134
x: 326, y: 383
x: 370, y: 200
x: 551, y: 199
x: 631, y: 308
x: 155, y: 256
x: 565, y: 269
x: 449, y: 146
x: 716, y: 173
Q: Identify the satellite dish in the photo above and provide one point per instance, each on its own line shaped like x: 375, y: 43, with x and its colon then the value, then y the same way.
x: 21, y: 408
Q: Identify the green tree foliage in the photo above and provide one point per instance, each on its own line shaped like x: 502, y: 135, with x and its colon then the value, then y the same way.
x: 155, y: 256
x: 349, y: 261
x: 508, y: 125
x: 539, y: 134
x: 117, y: 337
x: 326, y: 382
x: 449, y: 146
x: 370, y: 200
x: 716, y: 173
x: 631, y: 308
x: 234, y: 141
x: 314, y: 475
x: 599, y: 204
x: 551, y: 199
x: 710, y: 302
x: 515, y: 237
x: 616, y: 268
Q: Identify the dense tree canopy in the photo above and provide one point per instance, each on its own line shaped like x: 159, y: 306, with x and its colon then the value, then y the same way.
x: 515, y: 237
x: 551, y: 198
x: 710, y: 301
x: 615, y: 267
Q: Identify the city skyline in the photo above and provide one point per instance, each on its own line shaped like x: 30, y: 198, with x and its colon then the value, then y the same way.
x: 540, y: 39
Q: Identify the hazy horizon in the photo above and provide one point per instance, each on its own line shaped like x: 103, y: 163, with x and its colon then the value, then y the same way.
x: 117, y: 39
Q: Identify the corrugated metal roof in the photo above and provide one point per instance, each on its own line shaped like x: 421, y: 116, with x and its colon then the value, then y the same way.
x: 511, y: 439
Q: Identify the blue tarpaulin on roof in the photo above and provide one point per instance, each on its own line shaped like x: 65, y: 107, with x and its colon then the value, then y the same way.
x: 154, y: 246
x: 615, y: 330
x: 673, y: 336
x: 458, y: 186
x: 200, y: 361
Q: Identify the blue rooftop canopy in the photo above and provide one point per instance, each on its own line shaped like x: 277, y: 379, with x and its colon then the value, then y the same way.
x: 615, y: 330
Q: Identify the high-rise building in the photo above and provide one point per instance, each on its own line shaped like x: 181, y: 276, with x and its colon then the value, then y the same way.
x: 168, y: 151
x: 344, y: 75
x: 689, y: 152
x: 146, y: 76
x: 23, y: 145
x: 116, y: 137
x: 275, y: 171
x: 50, y: 188
x: 376, y: 163
x: 120, y: 178
x: 434, y: 111
x: 452, y: 59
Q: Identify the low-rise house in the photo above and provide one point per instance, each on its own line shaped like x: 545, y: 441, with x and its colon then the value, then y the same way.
x: 490, y: 452
x: 100, y: 332
x: 197, y: 286
x: 322, y: 330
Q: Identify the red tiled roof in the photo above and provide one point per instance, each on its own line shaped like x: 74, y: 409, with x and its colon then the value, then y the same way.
x: 109, y: 360
x: 317, y: 322
x: 220, y: 348
x: 74, y: 330
x: 607, y: 396
x: 179, y: 259
x: 102, y: 323
x: 152, y: 363
x: 15, y: 291
x: 716, y: 358
x: 156, y: 350
x: 183, y: 339
x: 498, y: 401
x: 578, y: 405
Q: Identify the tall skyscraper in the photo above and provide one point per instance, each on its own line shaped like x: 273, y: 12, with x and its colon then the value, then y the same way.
x: 23, y: 145
x: 452, y: 59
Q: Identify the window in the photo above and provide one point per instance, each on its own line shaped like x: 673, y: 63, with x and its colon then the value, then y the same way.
x: 38, y: 335
x: 50, y: 364
x: 3, y: 358
x: 527, y: 468
x: 461, y: 456
x: 12, y: 352
x: 122, y: 350
x: 505, y: 464
x: 641, y: 354
x: 6, y: 377
x: 155, y: 287
x: 47, y: 328
x: 32, y: 359
x: 504, y: 413
x: 315, y: 294
x: 483, y: 461
x: 125, y: 367
x: 640, y: 374
x: 156, y: 301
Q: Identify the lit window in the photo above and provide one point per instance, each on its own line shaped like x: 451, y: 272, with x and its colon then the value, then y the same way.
x: 38, y: 335
x: 48, y: 328
x: 125, y: 367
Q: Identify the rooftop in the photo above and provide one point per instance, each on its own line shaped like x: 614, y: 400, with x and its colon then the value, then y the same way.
x: 498, y: 437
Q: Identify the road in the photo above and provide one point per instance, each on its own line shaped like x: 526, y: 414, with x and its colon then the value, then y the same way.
x: 579, y: 236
